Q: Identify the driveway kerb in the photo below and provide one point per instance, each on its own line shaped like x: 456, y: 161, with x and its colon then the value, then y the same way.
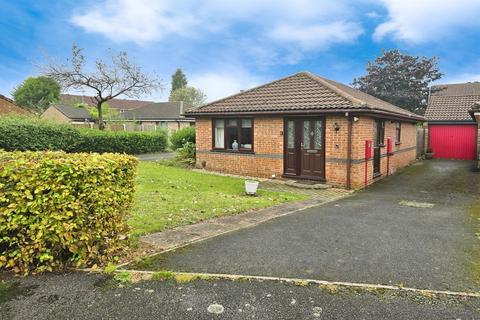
x: 141, y: 275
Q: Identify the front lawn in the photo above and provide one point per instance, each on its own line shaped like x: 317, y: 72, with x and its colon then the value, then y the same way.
x: 167, y: 197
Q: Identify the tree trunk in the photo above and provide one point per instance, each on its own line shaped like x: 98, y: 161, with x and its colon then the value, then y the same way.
x: 101, y: 123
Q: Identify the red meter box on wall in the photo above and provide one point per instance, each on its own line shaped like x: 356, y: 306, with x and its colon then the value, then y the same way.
x: 368, y: 149
x: 389, y: 146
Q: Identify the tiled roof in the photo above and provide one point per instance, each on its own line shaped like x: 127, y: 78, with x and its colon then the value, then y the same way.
x: 452, y: 102
x: 303, y: 91
x: 72, y: 112
x: 155, y: 111
x: 121, y: 104
x: 7, y: 106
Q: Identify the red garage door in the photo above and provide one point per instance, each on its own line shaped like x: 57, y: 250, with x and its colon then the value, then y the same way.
x: 453, y: 141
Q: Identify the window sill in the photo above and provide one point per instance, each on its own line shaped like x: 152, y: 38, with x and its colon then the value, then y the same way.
x: 398, y: 143
x: 232, y: 151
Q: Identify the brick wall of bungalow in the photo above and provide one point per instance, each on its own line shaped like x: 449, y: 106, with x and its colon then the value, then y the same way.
x: 267, y: 159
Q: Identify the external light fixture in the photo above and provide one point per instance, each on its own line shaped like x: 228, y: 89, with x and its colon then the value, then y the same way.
x: 336, y: 127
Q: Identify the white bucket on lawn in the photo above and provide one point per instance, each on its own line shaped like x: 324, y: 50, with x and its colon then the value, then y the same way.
x: 251, y: 187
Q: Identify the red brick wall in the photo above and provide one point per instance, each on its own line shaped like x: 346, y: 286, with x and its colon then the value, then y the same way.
x: 268, y: 147
x: 7, y: 106
x: 267, y: 144
x: 404, y: 153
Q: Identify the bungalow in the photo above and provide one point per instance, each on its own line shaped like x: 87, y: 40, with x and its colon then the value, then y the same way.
x: 8, y: 106
x: 65, y: 113
x: 305, y: 127
x: 165, y: 115
x: 453, y: 129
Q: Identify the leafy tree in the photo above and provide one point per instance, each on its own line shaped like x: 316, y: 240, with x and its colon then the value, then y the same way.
x: 107, y: 81
x: 400, y: 79
x: 191, y: 97
x: 179, y: 80
x: 37, y: 93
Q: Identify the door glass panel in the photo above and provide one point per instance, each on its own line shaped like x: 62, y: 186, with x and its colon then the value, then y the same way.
x: 291, y: 134
x: 318, y: 134
x: 306, y: 134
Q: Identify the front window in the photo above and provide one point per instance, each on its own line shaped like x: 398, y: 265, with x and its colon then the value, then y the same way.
x: 233, y: 134
x: 398, y: 132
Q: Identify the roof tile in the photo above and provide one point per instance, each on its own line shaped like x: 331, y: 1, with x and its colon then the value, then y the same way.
x: 301, y: 91
x: 452, y: 102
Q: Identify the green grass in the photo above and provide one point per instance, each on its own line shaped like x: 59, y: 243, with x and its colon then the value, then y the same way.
x: 168, y: 196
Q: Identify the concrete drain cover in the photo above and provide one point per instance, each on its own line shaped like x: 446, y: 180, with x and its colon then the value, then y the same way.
x: 416, y: 204
x: 215, y: 308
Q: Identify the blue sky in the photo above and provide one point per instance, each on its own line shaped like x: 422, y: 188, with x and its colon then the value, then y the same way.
x: 225, y: 46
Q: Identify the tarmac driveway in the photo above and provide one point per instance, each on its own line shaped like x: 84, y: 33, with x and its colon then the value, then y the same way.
x: 371, y: 237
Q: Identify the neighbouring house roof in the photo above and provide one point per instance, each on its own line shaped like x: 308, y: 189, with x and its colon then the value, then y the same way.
x: 8, y: 106
x: 303, y: 92
x: 452, y: 102
x: 72, y: 112
x: 121, y: 104
x: 156, y: 111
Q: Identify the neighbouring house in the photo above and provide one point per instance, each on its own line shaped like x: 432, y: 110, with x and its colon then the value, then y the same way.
x: 305, y: 127
x: 164, y: 115
x: 121, y: 105
x: 8, y: 106
x: 65, y: 113
x: 452, y: 129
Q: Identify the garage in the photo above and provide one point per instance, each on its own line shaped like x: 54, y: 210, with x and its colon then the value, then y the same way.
x: 452, y: 127
x: 453, y: 141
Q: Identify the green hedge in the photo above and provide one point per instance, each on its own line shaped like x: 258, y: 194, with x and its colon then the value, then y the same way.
x: 121, y: 141
x: 30, y: 133
x: 181, y: 136
x: 59, y: 209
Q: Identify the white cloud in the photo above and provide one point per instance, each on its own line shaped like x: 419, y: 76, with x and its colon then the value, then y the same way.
x: 303, y: 22
x: 223, y: 82
x: 461, y: 78
x: 319, y: 36
x: 138, y: 20
x: 419, y: 21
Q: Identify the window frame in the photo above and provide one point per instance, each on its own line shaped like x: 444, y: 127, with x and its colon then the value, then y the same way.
x: 225, y: 134
x: 379, y: 133
x: 398, y: 133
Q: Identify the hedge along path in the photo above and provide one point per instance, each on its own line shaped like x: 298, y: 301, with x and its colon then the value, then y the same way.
x: 59, y: 209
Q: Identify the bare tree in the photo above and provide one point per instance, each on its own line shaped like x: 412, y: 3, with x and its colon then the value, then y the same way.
x: 108, y: 81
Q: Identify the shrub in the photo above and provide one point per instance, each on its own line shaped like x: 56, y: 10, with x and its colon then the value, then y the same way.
x: 121, y: 141
x: 59, y: 209
x: 181, y: 136
x: 186, y: 154
x: 31, y: 133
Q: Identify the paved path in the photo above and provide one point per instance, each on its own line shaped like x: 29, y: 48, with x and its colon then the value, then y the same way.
x: 371, y: 237
x: 84, y: 296
x: 154, y: 156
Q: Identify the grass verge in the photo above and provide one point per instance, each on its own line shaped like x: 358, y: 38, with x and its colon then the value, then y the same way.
x: 168, y: 196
